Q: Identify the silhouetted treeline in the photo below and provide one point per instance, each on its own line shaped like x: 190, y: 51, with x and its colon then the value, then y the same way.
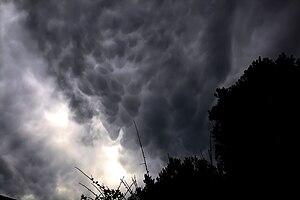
x: 255, y: 136
x: 182, y: 179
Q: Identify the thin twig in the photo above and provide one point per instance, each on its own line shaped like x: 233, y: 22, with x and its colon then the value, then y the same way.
x: 137, y: 132
x: 134, y: 181
x: 88, y: 189
x: 84, y: 173
x: 97, y: 189
x: 127, y: 187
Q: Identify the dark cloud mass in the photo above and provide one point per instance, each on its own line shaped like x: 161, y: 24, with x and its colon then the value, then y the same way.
x: 149, y: 61
x: 157, y: 62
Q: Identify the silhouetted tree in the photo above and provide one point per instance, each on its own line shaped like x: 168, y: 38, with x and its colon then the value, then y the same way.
x: 191, y: 178
x: 256, y: 125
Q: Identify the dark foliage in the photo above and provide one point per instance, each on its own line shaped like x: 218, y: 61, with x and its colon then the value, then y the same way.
x: 106, y: 194
x: 257, y: 125
x: 191, y: 178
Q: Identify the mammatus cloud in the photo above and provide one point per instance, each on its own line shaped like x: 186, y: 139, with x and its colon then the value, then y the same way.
x: 153, y: 62
x: 157, y: 62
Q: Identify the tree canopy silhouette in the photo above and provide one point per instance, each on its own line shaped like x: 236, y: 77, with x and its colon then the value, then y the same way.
x: 256, y: 124
x: 190, y: 178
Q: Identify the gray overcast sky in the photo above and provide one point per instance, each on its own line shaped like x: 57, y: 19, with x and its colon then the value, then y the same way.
x: 75, y: 73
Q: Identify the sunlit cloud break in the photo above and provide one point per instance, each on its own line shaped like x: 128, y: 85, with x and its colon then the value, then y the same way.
x: 41, y: 143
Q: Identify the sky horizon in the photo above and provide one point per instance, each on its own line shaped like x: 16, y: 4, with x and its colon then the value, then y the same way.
x: 75, y: 74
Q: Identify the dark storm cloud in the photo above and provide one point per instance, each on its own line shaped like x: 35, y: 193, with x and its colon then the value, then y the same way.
x: 144, y: 60
x: 157, y: 62
x: 264, y: 28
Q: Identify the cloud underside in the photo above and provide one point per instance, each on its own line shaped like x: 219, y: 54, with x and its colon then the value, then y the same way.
x: 109, y: 62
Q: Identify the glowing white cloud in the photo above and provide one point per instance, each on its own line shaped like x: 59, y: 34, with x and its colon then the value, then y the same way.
x: 28, y: 197
x: 59, y: 116
x: 45, y: 119
x: 114, y: 168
